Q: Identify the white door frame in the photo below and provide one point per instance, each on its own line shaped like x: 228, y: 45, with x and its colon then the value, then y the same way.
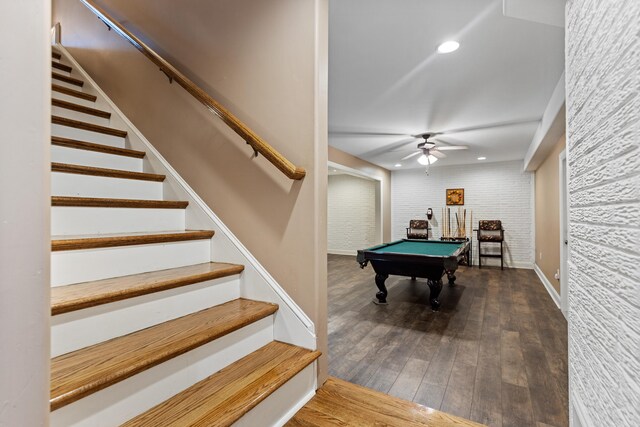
x: 563, y: 181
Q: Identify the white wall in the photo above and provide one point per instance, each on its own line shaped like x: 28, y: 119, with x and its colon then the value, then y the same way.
x: 351, y: 214
x: 24, y: 213
x: 603, y: 134
x: 492, y: 191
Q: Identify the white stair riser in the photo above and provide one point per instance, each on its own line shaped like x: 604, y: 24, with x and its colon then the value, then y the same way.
x: 66, y: 84
x: 75, y: 100
x: 139, y: 393
x: 104, y: 263
x: 68, y: 221
x: 76, y: 115
x: 89, y: 136
x: 75, y: 185
x: 97, y: 159
x: 78, y: 329
x: 283, y: 403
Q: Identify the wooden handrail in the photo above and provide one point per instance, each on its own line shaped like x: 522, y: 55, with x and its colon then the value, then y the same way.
x: 258, y: 144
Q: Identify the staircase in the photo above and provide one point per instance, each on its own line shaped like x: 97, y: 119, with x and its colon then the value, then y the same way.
x: 160, y: 317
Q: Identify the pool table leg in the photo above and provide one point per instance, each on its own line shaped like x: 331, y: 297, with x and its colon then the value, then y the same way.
x: 435, y: 286
x: 451, y: 277
x: 382, y: 295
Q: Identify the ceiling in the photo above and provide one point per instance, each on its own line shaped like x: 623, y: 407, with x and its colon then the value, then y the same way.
x: 385, y: 76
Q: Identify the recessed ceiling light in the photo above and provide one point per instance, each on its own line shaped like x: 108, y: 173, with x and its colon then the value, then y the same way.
x: 448, y: 46
x: 482, y: 158
x: 398, y: 165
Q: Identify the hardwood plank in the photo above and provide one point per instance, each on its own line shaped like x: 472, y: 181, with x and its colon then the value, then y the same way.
x: 63, y: 121
x: 512, y: 362
x: 90, y: 146
x: 56, y: 55
x: 430, y: 395
x: 458, y: 396
x: 95, y: 202
x: 85, y: 371
x: 441, y: 365
x: 67, y: 79
x: 71, y: 92
x: 70, y: 243
x: 517, y: 410
x: 80, y: 108
x: 339, y: 403
x: 60, y: 66
x: 110, y: 173
x: 69, y: 298
x: 224, y: 397
x: 408, y: 382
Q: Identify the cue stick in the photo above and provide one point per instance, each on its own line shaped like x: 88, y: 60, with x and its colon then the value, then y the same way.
x: 457, y: 224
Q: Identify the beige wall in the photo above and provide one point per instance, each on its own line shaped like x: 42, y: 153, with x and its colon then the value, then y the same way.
x: 25, y: 240
x: 346, y: 159
x: 266, y: 61
x: 548, y: 215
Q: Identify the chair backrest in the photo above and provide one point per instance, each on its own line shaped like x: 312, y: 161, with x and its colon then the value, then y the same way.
x: 419, y: 224
x: 490, y: 225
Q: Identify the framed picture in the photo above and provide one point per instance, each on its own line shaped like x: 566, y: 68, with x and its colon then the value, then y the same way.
x: 455, y: 196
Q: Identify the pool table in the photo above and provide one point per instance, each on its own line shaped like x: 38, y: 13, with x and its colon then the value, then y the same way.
x: 429, y: 259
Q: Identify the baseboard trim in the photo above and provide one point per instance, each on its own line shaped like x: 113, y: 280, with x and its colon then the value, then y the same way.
x: 342, y: 252
x: 550, y: 289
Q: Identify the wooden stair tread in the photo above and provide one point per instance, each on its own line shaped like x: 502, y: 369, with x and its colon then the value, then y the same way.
x: 227, y: 395
x: 97, y: 202
x: 110, y: 173
x: 340, y: 403
x: 67, y: 79
x: 80, y: 108
x: 82, y: 372
x: 57, y: 120
x: 71, y: 92
x: 74, y: 297
x: 61, y: 66
x: 56, y: 55
x: 69, y: 243
x: 90, y: 146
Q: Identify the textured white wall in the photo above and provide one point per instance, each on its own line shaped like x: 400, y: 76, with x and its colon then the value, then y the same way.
x: 492, y: 190
x: 351, y: 214
x: 603, y: 133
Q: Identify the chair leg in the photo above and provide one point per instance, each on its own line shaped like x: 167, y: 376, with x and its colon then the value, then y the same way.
x: 479, y: 256
x: 501, y: 257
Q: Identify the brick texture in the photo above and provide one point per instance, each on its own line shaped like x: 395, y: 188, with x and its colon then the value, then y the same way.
x: 351, y: 214
x: 603, y: 132
x: 492, y: 190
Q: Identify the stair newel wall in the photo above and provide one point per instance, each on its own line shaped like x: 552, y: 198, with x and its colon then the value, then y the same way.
x: 25, y: 81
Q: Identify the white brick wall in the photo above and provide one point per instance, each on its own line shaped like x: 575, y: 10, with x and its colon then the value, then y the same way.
x: 351, y: 214
x: 492, y: 190
x: 603, y: 132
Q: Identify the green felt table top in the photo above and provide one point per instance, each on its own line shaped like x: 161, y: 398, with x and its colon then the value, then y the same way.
x: 426, y: 247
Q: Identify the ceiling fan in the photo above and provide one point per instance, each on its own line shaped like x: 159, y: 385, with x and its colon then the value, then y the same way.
x: 429, y: 152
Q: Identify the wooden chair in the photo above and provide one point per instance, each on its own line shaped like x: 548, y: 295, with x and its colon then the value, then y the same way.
x: 418, y: 229
x: 490, y: 231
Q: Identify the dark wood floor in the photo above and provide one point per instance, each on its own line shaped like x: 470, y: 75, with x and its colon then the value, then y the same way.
x: 495, y: 353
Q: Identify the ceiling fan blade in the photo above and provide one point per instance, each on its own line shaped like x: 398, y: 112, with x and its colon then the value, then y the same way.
x: 452, y: 147
x: 437, y: 153
x: 411, y: 155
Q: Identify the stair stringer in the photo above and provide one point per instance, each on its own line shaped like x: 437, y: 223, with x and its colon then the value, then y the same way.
x: 291, y: 324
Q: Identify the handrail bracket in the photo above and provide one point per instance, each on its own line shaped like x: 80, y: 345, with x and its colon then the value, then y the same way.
x: 255, y: 151
x: 168, y: 75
